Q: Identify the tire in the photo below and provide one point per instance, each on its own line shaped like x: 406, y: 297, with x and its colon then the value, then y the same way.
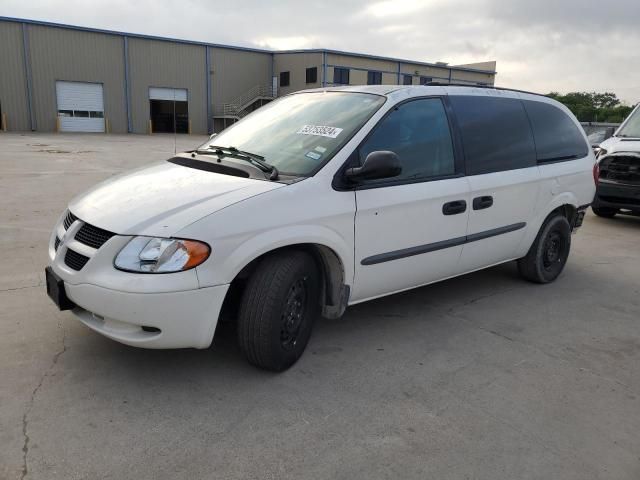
x: 277, y: 310
x: 548, y: 254
x: 605, y: 212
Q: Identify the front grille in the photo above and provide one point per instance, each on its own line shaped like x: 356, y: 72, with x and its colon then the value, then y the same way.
x: 93, y: 236
x: 56, y: 244
x: 623, y: 169
x: 69, y: 219
x: 75, y: 260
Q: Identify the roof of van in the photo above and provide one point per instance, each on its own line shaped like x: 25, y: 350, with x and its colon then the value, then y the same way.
x: 387, y: 89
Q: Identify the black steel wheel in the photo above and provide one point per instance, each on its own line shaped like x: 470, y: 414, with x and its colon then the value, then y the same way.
x: 548, y: 254
x: 277, y: 310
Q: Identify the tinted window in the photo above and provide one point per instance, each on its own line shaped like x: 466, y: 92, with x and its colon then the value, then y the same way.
x: 284, y: 79
x: 341, y: 76
x: 407, y: 79
x: 425, y: 80
x: 312, y: 75
x: 555, y: 134
x: 374, y: 78
x: 496, y: 134
x: 418, y: 132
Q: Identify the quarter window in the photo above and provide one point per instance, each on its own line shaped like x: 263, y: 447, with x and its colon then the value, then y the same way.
x: 418, y: 132
x: 312, y: 75
x: 341, y: 76
x: 495, y: 132
x: 284, y: 79
x: 374, y: 78
x: 556, y: 136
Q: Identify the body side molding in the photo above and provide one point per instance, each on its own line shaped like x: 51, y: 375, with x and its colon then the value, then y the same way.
x: 432, y: 247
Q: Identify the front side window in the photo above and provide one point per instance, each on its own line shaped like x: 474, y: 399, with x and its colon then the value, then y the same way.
x: 418, y: 132
x: 632, y: 127
x: 341, y: 76
x: 374, y: 78
x: 495, y: 131
x: 300, y: 133
x: 284, y: 79
x: 556, y: 136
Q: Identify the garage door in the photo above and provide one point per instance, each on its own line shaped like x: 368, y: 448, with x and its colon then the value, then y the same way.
x: 80, y: 106
x: 177, y: 94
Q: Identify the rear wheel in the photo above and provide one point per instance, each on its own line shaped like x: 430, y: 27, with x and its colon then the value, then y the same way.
x: 277, y: 310
x: 605, y: 211
x: 548, y: 254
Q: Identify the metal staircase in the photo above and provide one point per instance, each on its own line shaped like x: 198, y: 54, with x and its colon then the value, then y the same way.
x: 244, y: 104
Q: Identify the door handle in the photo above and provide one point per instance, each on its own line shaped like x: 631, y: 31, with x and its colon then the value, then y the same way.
x: 455, y: 207
x: 482, y: 202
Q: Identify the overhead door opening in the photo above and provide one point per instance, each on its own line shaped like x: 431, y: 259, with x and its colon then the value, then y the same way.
x: 80, y: 107
x: 169, y: 110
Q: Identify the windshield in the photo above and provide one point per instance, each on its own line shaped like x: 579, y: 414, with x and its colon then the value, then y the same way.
x: 300, y: 133
x: 632, y: 127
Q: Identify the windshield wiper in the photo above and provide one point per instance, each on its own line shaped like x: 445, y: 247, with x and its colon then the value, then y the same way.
x: 242, y: 155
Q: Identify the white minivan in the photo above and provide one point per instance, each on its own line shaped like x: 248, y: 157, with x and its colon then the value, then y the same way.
x: 320, y: 200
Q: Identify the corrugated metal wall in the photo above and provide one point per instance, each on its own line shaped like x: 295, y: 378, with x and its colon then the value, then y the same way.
x: 236, y: 72
x: 13, y: 82
x: 296, y: 64
x: 62, y: 54
x: 155, y: 63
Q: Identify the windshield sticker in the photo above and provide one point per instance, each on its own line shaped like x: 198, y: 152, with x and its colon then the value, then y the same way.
x: 320, y: 131
x: 320, y: 149
x: 314, y: 155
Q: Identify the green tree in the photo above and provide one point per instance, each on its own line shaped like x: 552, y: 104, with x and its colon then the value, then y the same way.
x: 594, y: 106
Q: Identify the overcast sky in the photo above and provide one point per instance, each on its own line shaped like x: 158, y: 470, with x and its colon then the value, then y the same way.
x: 540, y: 45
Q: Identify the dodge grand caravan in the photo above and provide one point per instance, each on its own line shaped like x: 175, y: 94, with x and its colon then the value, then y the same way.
x: 320, y: 200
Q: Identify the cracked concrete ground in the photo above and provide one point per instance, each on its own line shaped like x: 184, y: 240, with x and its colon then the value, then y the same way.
x: 484, y: 376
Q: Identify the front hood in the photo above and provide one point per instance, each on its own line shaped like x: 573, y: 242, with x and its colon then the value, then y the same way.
x: 621, y: 144
x: 161, y: 199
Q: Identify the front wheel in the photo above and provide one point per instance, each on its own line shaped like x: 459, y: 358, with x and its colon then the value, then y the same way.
x: 549, y: 252
x: 277, y: 310
x: 605, y: 212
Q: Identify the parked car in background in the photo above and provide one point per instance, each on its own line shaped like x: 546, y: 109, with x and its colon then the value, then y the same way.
x: 319, y: 200
x: 618, y: 189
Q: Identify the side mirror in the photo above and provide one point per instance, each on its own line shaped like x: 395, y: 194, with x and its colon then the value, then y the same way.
x: 377, y: 165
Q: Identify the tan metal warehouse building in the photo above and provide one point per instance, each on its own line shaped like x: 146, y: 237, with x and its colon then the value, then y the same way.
x: 69, y: 78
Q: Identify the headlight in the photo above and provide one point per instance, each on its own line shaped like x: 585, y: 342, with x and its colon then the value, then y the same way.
x: 161, y: 255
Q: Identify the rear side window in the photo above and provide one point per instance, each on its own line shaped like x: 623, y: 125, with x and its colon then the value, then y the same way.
x: 557, y: 137
x: 418, y: 132
x: 496, y: 134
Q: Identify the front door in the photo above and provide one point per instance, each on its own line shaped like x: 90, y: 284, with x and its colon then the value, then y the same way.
x: 409, y: 229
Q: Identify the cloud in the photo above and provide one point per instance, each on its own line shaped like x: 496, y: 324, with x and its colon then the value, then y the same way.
x: 541, y: 45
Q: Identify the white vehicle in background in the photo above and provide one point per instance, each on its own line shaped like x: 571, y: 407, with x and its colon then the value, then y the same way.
x: 319, y: 200
x: 619, y: 170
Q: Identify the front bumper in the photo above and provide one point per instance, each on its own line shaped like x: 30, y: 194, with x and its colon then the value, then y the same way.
x: 617, y: 195
x: 150, y: 320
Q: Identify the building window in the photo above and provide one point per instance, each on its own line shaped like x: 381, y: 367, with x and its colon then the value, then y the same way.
x: 425, y: 80
x: 407, y: 80
x: 374, y: 78
x: 341, y: 76
x: 312, y: 75
x: 284, y: 79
